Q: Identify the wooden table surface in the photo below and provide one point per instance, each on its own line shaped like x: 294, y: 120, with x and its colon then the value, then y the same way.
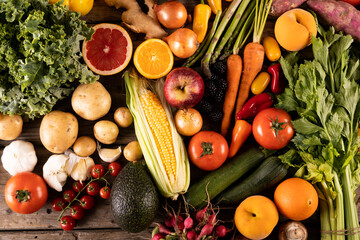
x: 98, y: 223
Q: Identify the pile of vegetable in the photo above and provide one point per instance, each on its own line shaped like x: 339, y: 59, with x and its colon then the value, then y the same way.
x: 286, y: 146
x: 41, y: 56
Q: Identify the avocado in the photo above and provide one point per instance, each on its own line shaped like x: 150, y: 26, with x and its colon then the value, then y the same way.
x: 134, y: 198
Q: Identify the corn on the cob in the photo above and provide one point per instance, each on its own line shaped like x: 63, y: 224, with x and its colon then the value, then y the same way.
x: 163, y: 149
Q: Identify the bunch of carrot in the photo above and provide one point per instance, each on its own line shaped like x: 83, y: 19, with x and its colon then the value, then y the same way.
x: 247, y: 70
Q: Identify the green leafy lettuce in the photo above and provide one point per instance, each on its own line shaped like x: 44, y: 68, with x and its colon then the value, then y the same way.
x: 40, y: 55
x: 325, y: 96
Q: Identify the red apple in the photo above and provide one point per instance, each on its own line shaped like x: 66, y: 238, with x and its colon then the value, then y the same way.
x: 183, y: 88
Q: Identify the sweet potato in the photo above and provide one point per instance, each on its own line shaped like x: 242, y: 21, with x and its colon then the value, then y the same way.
x: 343, y: 16
x: 278, y: 7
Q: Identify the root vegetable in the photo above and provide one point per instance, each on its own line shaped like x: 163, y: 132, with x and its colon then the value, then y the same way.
x: 343, y: 16
x: 188, y: 223
x: 206, y: 231
x: 106, y: 131
x: 10, y: 126
x: 158, y: 236
x: 123, y: 117
x: 84, y: 146
x: 278, y: 7
x: 171, y: 14
x: 137, y: 20
x: 221, y: 231
x: 163, y: 229
x: 191, y: 235
x: 183, y: 42
x: 132, y: 151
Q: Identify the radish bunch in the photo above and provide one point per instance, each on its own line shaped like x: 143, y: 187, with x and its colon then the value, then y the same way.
x: 202, y: 224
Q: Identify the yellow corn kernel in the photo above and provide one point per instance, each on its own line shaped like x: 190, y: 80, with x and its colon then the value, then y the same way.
x: 160, y: 128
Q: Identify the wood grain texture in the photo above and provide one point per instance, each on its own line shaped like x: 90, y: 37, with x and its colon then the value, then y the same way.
x: 98, y: 222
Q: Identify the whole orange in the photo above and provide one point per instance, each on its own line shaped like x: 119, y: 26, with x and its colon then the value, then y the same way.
x: 296, y: 199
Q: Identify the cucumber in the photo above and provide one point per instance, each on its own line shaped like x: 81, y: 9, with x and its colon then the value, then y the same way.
x: 221, y: 178
x: 268, y: 174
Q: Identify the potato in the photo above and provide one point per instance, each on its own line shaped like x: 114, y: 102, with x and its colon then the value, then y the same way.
x: 58, y: 131
x: 132, y: 151
x: 106, y: 131
x: 84, y: 146
x: 91, y: 101
x: 123, y: 117
x: 10, y: 126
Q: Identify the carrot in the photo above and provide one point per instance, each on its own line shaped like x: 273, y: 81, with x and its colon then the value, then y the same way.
x: 253, y: 61
x: 253, y: 53
x: 233, y: 75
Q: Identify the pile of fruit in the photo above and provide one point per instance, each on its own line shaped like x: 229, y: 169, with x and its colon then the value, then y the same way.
x: 271, y: 134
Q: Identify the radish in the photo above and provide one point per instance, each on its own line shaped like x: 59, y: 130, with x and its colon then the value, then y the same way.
x: 200, y: 214
x: 168, y: 222
x: 188, y: 223
x: 163, y: 229
x: 206, y: 231
x: 212, y: 219
x: 191, y: 235
x: 158, y: 236
x: 221, y: 230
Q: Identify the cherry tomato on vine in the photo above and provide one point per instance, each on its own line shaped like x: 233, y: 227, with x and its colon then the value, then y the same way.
x: 272, y: 128
x: 114, y: 168
x: 87, y: 202
x: 93, y: 189
x: 69, y: 195
x: 67, y: 223
x: 208, y: 150
x: 97, y: 171
x: 77, y: 212
x: 58, y: 204
x: 78, y: 186
x: 105, y: 192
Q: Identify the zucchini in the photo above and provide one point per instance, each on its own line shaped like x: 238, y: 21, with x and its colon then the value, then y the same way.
x: 268, y: 174
x: 218, y: 180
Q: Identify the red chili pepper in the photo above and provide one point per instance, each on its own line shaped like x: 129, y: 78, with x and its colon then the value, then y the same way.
x: 240, y: 134
x: 277, y: 78
x: 255, y: 105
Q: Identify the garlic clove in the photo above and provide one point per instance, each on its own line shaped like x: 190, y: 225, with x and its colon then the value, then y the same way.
x: 109, y: 154
x: 54, y: 171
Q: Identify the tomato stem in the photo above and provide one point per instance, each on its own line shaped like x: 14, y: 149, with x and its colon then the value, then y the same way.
x: 207, y: 148
x: 22, y: 195
x: 277, y: 126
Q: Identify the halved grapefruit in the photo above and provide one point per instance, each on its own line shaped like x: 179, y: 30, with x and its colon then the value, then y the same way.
x: 109, y: 51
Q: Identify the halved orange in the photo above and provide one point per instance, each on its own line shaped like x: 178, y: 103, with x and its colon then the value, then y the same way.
x: 109, y: 51
x: 153, y: 58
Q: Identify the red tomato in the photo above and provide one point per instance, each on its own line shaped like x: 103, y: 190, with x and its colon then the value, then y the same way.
x: 208, y: 150
x: 77, y: 212
x: 58, y: 204
x: 26, y: 192
x: 93, y: 189
x: 69, y: 195
x: 272, y: 128
x: 105, y: 192
x: 67, y: 223
x: 352, y: 2
x: 114, y: 168
x: 87, y: 202
x: 97, y: 171
x: 78, y: 186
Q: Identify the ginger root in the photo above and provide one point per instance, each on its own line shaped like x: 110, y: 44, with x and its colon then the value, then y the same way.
x: 138, y: 21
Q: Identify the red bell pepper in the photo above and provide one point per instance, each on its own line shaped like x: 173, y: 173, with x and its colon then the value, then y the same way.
x: 277, y: 78
x: 254, y: 105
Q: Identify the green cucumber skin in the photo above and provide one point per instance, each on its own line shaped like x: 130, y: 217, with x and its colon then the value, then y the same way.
x: 267, y: 175
x: 221, y: 178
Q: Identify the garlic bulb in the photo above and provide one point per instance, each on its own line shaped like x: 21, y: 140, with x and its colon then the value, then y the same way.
x: 19, y: 156
x: 54, y: 171
x: 109, y: 154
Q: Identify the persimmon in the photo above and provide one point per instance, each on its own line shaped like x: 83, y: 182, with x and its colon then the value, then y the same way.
x: 296, y: 199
